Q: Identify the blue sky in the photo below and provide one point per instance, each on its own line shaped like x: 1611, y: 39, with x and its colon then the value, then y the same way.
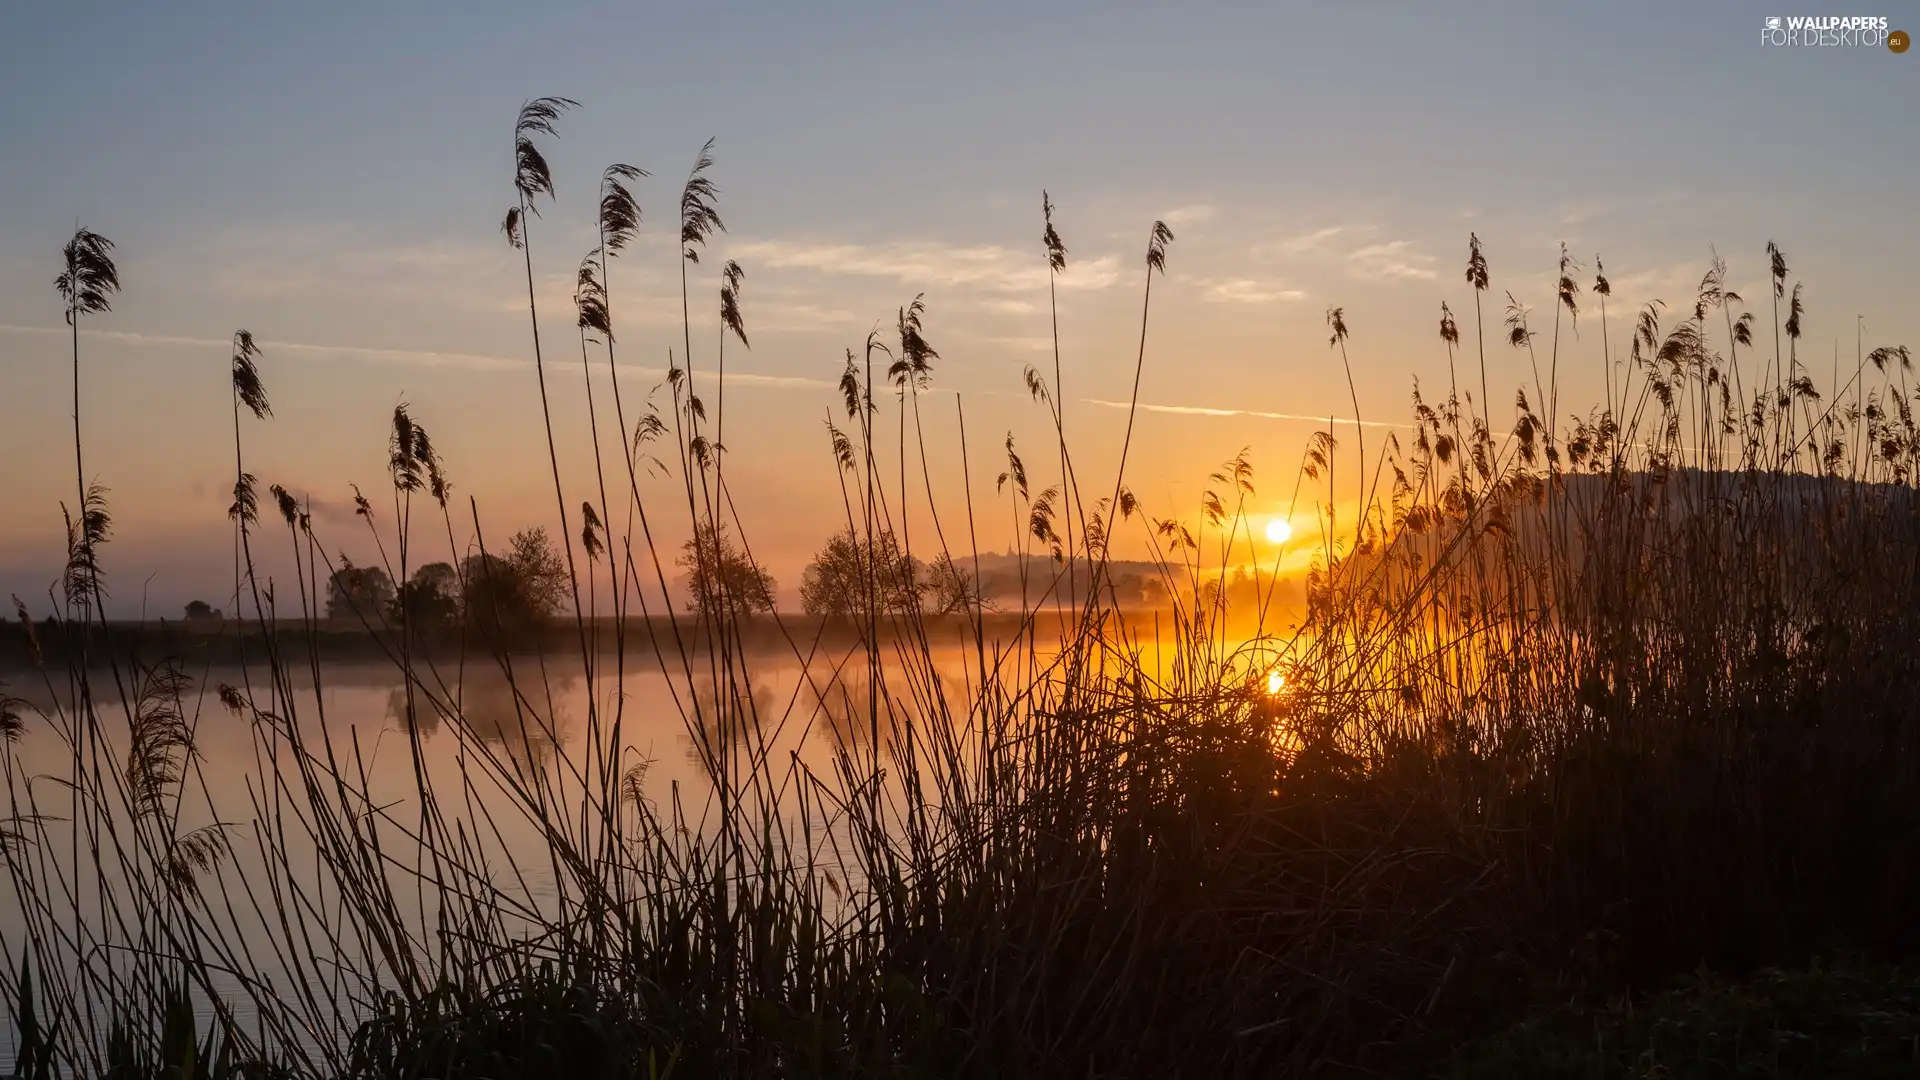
x: 331, y: 177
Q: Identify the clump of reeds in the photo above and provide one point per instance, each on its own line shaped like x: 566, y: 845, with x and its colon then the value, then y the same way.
x: 1570, y: 707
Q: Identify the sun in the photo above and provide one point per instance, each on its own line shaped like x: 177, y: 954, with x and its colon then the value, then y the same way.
x: 1278, y: 531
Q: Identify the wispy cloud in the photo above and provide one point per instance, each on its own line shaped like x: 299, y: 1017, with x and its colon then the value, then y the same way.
x: 1248, y: 291
x: 420, y: 357
x: 929, y: 264
x: 1309, y: 241
x: 1201, y: 410
x: 1022, y: 344
x: 302, y: 261
x: 1577, y: 211
x: 787, y: 315
x: 1191, y: 214
x: 1395, y: 260
x: 413, y: 357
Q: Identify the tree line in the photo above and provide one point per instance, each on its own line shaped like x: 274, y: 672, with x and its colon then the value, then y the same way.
x: 513, y: 593
x: 720, y: 576
x: 522, y: 589
x: 525, y: 587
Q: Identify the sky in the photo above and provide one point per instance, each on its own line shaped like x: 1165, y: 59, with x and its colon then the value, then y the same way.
x: 332, y: 178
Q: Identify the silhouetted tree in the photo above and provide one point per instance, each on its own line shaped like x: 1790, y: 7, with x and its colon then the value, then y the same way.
x: 542, y: 572
x: 201, y: 611
x: 721, y: 577
x: 431, y: 597
x: 950, y: 589
x: 359, y: 593
x: 509, y: 597
x: 837, y: 582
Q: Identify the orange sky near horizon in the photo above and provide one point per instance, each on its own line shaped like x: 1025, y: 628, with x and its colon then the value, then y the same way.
x: 345, y: 210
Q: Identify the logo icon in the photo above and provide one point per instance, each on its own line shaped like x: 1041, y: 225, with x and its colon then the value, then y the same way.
x: 1898, y: 41
x: 1773, y: 22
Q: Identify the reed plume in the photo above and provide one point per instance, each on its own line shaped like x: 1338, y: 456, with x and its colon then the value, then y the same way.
x: 1337, y: 339
x: 1567, y: 293
x: 1477, y: 277
x: 87, y: 284
x: 84, y: 582
x: 618, y: 223
x: 699, y: 220
x: 734, y: 322
x: 1157, y: 240
x: 1603, y: 288
x: 249, y: 393
x: 1056, y: 250
x: 533, y: 178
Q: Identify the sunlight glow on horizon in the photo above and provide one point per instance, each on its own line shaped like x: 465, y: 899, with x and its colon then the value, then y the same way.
x: 362, y: 248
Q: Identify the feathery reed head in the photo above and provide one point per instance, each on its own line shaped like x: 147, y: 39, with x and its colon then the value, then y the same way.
x: 1712, y: 292
x: 1056, y: 249
x: 649, y: 428
x: 633, y: 785
x: 619, y: 210
x: 531, y: 176
x: 437, y: 483
x: 1881, y: 357
x: 160, y: 744
x: 590, y: 531
x: 1476, y: 263
x: 590, y: 297
x: 1449, y: 333
x: 1777, y: 261
x: 247, y: 386
x: 914, y: 361
x: 699, y: 216
x: 1601, y: 286
x: 1337, y: 321
x: 90, y: 278
x: 842, y: 446
x: 1795, y: 309
x: 850, y: 387
x: 245, y: 508
x: 1036, y: 386
x: 1518, y: 335
x: 194, y: 854
x: 1569, y: 290
x: 403, y: 461
x: 12, y: 723
x: 83, y: 578
x: 730, y: 317
x: 1157, y: 242
x: 1016, y: 470
x: 1646, y: 332
x: 288, y: 506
